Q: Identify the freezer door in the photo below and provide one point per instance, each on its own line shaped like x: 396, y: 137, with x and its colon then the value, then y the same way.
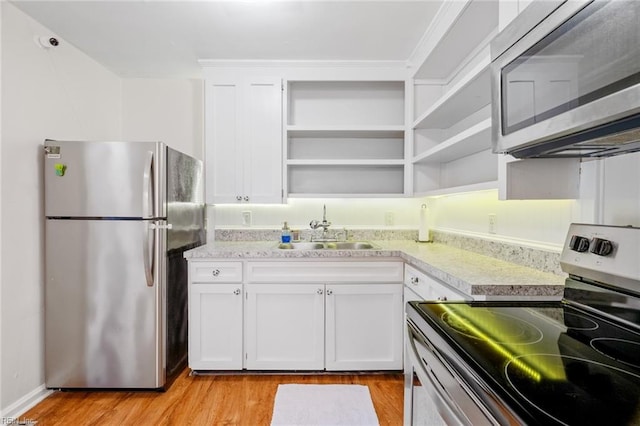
x: 105, y: 179
x: 104, y: 311
x: 185, y: 201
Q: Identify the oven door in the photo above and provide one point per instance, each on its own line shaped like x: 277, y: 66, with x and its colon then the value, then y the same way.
x: 433, y: 394
x: 570, y: 87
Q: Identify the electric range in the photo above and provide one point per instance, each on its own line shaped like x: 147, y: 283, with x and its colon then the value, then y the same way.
x: 572, y: 362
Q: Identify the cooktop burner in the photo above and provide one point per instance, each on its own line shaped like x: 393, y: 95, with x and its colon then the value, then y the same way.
x: 624, y: 351
x: 576, y: 391
x: 579, y: 322
x: 481, y: 325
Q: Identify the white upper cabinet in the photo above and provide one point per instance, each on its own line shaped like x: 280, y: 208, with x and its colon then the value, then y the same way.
x: 243, y: 133
x: 345, y: 138
x: 452, y: 116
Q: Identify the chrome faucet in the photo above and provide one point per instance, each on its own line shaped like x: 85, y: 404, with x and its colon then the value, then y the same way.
x: 315, y: 224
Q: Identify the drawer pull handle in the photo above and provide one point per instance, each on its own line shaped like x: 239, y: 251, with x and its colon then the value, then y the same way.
x: 215, y: 272
x: 238, y: 197
x: 319, y: 291
x: 236, y: 291
x: 414, y: 280
x: 329, y: 292
x: 442, y: 298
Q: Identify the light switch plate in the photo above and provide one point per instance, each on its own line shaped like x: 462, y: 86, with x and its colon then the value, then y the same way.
x: 246, y: 218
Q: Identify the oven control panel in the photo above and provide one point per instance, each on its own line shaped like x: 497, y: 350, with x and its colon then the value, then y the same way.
x: 597, y: 246
x: 608, y: 254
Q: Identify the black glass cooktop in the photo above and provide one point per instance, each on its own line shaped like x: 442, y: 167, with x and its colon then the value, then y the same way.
x: 551, y: 362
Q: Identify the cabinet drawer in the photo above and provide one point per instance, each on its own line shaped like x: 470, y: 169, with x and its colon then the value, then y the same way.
x: 325, y: 272
x: 212, y: 272
x: 430, y: 288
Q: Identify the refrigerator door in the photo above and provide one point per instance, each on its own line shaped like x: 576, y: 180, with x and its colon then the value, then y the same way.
x: 105, y: 179
x: 104, y: 309
x: 185, y: 201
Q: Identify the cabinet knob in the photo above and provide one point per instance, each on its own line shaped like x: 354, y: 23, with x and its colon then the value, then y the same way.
x: 238, y: 197
x: 329, y: 292
x: 319, y: 291
x: 237, y: 291
x: 414, y: 280
x: 246, y: 198
x: 215, y: 272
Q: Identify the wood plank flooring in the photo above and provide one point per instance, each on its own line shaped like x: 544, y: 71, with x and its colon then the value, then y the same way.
x: 206, y: 400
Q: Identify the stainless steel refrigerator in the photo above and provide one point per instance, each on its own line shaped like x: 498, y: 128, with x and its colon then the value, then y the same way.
x: 119, y: 216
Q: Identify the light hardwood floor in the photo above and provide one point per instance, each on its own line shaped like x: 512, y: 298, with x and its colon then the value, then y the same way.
x: 205, y: 400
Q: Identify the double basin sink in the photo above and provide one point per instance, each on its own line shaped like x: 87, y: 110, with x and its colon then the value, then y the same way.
x: 328, y: 245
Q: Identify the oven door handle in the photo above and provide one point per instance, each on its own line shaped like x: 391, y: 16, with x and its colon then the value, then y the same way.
x: 423, y: 362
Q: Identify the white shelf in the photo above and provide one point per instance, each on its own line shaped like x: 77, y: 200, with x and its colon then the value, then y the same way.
x: 473, y: 139
x: 336, y: 179
x: 467, y: 96
x: 469, y: 25
x: 480, y: 186
x: 330, y: 162
x: 372, y: 131
x: 345, y: 139
x: 345, y: 195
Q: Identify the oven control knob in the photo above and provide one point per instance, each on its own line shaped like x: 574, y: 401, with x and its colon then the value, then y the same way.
x: 579, y: 244
x: 601, y: 247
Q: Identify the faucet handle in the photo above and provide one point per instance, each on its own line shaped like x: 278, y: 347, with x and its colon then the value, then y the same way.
x: 314, y: 224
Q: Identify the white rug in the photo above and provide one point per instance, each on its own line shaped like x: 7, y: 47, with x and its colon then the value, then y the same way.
x: 326, y: 405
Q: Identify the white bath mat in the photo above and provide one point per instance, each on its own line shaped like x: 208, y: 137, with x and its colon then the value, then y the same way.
x: 326, y: 405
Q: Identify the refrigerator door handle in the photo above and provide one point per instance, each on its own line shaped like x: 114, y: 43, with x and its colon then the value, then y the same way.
x: 148, y: 250
x: 147, y: 187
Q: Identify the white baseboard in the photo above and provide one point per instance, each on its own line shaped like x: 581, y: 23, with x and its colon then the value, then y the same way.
x: 25, y: 403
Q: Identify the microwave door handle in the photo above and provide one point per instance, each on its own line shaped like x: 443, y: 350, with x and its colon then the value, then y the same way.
x: 147, y: 187
x: 148, y: 251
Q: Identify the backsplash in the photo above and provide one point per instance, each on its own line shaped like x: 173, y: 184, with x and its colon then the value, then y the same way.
x: 542, y: 260
x: 305, y: 235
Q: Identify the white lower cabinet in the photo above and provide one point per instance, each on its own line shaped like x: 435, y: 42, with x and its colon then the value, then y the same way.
x: 363, y: 327
x: 421, y: 286
x: 215, y: 315
x: 215, y: 327
x: 298, y: 315
x: 284, y: 328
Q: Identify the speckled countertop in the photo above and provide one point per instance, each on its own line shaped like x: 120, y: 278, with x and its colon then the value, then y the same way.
x: 474, y: 274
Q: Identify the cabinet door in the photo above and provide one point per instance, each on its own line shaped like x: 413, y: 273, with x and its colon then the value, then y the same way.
x: 215, y: 327
x: 284, y: 327
x: 262, y: 137
x: 243, y: 133
x: 223, y: 141
x: 364, y: 327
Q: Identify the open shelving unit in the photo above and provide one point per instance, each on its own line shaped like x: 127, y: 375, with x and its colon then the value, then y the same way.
x: 452, y: 97
x: 345, y: 139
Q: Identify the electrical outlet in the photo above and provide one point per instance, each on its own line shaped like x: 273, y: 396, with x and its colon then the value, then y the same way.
x: 246, y: 218
x: 389, y: 219
x: 493, y: 221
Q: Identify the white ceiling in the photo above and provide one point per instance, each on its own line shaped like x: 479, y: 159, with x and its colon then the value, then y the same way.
x: 157, y: 38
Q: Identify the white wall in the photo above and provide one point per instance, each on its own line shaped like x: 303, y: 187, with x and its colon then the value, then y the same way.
x: 352, y: 213
x: 609, y: 195
x: 55, y: 93
x: 533, y: 223
x: 170, y: 111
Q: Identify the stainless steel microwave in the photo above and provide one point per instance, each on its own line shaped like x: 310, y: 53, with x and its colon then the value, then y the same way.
x: 565, y: 80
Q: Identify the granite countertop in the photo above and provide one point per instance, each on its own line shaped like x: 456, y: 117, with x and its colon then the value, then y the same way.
x: 480, y: 276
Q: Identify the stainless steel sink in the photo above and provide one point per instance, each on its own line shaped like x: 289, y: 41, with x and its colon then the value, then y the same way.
x: 301, y: 246
x: 337, y: 245
x: 350, y: 245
